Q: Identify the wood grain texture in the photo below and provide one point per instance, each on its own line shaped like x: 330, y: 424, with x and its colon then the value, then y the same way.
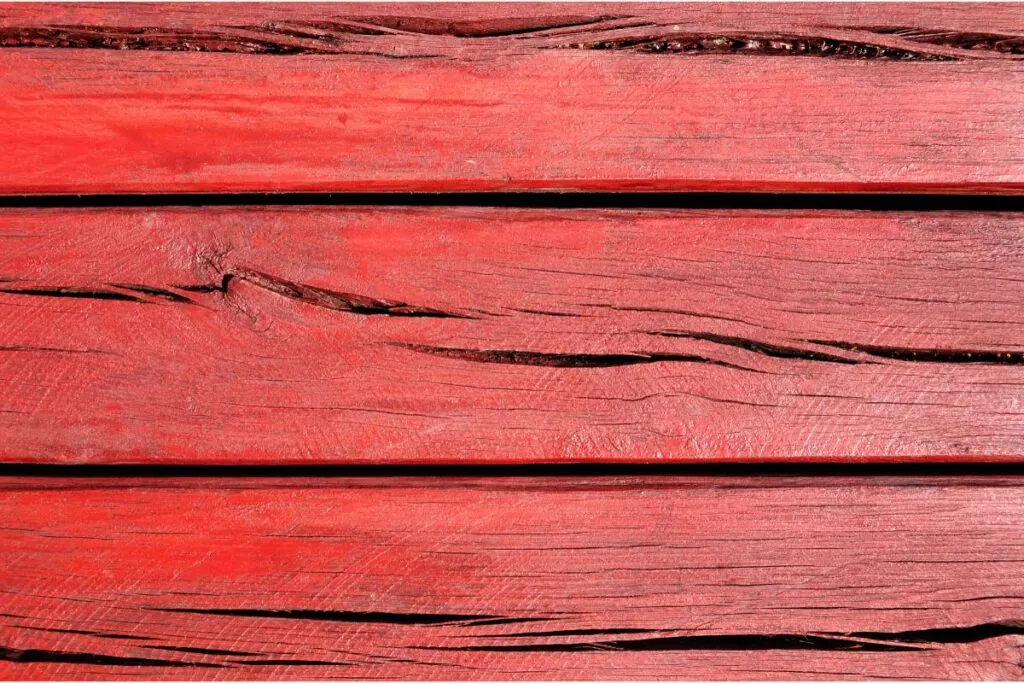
x: 683, y: 578
x: 790, y: 97
x: 432, y: 335
x: 486, y: 335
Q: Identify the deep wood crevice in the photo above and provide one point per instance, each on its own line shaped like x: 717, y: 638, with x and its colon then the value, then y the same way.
x: 603, y: 32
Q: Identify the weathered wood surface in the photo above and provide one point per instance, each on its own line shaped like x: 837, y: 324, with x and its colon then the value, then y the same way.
x: 333, y: 335
x: 691, y: 578
x: 487, y: 335
x: 169, y: 98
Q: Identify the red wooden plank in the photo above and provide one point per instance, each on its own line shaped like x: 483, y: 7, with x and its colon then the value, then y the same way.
x: 468, y: 97
x: 485, y: 335
x: 512, y: 579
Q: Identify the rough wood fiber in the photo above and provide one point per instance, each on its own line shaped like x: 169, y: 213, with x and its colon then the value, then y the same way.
x: 465, y: 97
x: 485, y: 335
x: 312, y: 335
x: 512, y: 579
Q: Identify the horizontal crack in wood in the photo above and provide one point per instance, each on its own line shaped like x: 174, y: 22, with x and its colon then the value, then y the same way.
x: 47, y: 349
x: 157, y: 292
x: 334, y: 300
x: 571, y: 632
x: 274, y: 38
x: 315, y: 296
x: 886, y: 641
x: 763, y: 348
x: 757, y: 44
x: 143, y: 38
x: 963, y: 40
x: 72, y: 292
x: 430, y: 26
x: 333, y: 37
x: 54, y: 656
x: 919, y: 355
x: 397, y: 618
x: 560, y: 360
x: 946, y: 635
x: 785, y: 641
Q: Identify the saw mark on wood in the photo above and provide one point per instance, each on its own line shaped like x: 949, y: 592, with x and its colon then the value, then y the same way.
x: 81, y: 632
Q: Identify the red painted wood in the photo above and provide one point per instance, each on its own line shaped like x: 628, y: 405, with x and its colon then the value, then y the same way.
x: 332, y: 335
x: 681, y: 578
x: 465, y: 97
x: 481, y: 335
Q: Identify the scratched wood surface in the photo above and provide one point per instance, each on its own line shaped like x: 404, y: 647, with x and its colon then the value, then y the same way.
x: 484, y: 335
x: 636, y: 578
x: 793, y: 97
x: 142, y: 336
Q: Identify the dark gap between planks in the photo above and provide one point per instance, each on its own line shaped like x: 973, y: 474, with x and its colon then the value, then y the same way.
x: 588, y: 470
x: 544, y: 200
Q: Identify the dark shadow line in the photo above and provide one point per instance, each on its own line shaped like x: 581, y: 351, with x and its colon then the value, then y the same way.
x: 588, y: 470
x: 545, y: 200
